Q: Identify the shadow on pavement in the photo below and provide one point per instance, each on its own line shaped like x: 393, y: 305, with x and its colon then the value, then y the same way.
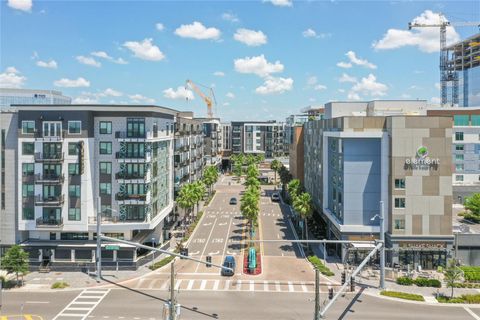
x: 350, y: 305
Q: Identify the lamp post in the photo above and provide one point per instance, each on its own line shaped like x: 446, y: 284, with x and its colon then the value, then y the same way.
x: 99, y: 241
x: 382, y: 239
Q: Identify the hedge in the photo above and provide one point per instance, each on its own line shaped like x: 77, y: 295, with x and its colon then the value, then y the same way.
x: 464, y: 298
x: 403, y: 295
x: 471, y: 273
x: 404, y: 281
x: 466, y: 285
x: 419, y: 282
x: 318, y: 264
x: 161, y: 263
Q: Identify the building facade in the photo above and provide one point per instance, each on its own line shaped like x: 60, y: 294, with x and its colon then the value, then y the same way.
x: 212, y: 137
x: 354, y: 162
x: 12, y: 96
x: 258, y: 138
x: 226, y: 142
x: 75, y: 160
x: 296, y: 154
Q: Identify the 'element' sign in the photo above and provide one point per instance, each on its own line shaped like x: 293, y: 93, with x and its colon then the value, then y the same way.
x: 421, y: 161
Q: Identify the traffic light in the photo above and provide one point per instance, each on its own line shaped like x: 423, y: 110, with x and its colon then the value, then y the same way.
x: 209, y: 261
x: 343, y: 277
x: 352, y: 284
x: 184, y: 252
x: 330, y: 293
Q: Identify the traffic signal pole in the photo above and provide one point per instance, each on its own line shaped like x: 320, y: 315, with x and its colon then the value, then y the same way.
x: 317, y: 295
x: 172, y: 291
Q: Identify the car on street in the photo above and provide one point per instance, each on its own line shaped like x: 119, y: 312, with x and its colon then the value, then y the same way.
x: 229, y: 262
x: 233, y: 201
x: 275, y: 197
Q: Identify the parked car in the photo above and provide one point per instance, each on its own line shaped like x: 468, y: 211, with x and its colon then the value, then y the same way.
x: 275, y: 197
x: 233, y: 201
x: 229, y: 263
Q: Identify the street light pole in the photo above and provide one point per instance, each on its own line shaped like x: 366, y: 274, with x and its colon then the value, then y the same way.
x: 172, y: 290
x: 317, y: 295
x: 382, y: 250
x: 99, y: 241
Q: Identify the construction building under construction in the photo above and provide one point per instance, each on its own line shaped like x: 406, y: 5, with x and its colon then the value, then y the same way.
x: 463, y: 69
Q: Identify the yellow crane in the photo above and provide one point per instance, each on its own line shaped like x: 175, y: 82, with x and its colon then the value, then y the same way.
x: 208, y: 99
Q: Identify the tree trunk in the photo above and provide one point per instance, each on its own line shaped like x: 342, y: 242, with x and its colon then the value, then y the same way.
x: 451, y: 296
x: 306, y: 231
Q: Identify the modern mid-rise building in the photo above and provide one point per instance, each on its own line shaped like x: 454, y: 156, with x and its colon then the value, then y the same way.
x: 10, y: 96
x: 367, y: 152
x: 212, y: 136
x: 71, y: 161
x: 465, y: 150
x: 258, y: 138
x: 226, y: 142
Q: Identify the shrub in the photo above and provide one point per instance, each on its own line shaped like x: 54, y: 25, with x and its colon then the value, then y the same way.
x: 424, y: 282
x: 405, y: 281
x: 161, y: 263
x: 60, y: 285
x: 466, y: 285
x: 318, y: 264
x: 403, y: 295
x: 464, y: 298
x: 471, y: 298
x: 471, y: 273
x: 472, y: 217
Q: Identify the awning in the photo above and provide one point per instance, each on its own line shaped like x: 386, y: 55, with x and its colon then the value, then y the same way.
x: 363, y: 246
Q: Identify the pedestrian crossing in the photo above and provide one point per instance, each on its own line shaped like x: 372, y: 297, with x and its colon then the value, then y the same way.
x: 83, y: 304
x: 229, y: 285
x: 227, y: 214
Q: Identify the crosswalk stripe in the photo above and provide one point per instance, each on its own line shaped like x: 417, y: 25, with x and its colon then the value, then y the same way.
x: 227, y: 285
x: 277, y: 285
x: 203, y: 284
x: 252, y: 285
x: 164, y: 286
x: 177, y: 285
x: 290, y: 286
x: 190, y: 284
x: 265, y: 285
x: 215, y: 285
x: 304, y: 287
x: 152, y: 284
x: 239, y: 285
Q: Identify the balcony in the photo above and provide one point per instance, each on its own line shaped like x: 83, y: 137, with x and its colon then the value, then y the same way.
x: 129, y: 175
x: 123, y: 196
x: 39, y: 136
x: 49, y: 157
x: 144, y: 157
x: 49, y: 201
x: 49, y: 178
x: 122, y: 135
x: 49, y: 223
x: 114, y: 219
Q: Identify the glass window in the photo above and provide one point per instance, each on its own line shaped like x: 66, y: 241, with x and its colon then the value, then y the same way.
x: 475, y: 120
x: 460, y: 120
x: 459, y: 147
x: 459, y: 157
x: 459, y: 177
x: 74, y: 236
x: 28, y: 148
x: 105, y: 127
x: 105, y: 148
x: 399, y: 183
x: 74, y: 214
x: 477, y: 148
x: 72, y: 149
x: 52, y: 129
x: 459, y: 136
x: 105, y: 188
x: 106, y: 210
x: 27, y: 190
x: 28, y: 127
x: 28, y: 169
x: 400, y: 203
x: 105, y: 167
x: 74, y: 127
x: 28, y: 214
x: 74, y: 190
x: 459, y: 166
x: 73, y: 169
x: 135, y: 127
x: 399, y: 224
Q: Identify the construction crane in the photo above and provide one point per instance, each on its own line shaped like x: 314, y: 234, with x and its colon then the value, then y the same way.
x: 446, y: 75
x: 208, y: 99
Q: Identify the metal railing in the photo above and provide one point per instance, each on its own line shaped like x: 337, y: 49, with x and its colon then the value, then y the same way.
x: 49, y: 200
x: 49, y: 178
x: 115, y: 219
x: 48, y: 223
x: 131, y: 175
x: 124, y: 196
x: 49, y: 156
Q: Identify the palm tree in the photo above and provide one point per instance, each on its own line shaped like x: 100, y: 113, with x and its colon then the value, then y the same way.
x: 186, y: 198
x: 252, y: 171
x: 303, y: 205
x: 293, y: 188
x: 210, y: 176
x: 252, y: 182
x: 260, y: 158
x: 198, y: 191
x: 250, y: 208
x: 275, y: 166
x: 452, y: 274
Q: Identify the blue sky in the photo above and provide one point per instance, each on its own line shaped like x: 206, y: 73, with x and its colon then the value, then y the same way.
x: 264, y: 60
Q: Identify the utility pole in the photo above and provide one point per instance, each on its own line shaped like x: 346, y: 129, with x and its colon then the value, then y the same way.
x: 317, y: 295
x: 99, y: 241
x: 172, y: 290
x: 382, y: 250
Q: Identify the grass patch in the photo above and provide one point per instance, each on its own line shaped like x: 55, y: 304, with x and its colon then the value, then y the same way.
x: 318, y: 264
x: 403, y: 295
x: 60, y: 285
x: 466, y: 285
x: 464, y: 298
x: 161, y: 263
x: 471, y: 273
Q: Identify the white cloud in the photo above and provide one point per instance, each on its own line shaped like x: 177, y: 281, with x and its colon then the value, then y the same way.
x: 88, y: 61
x: 219, y: 74
x: 425, y: 39
x: 112, y: 93
x: 84, y: 100
x: 180, y: 93
x: 437, y: 86
x: 275, y: 85
x: 138, y: 98
x: 312, y: 99
x: 227, y: 16
x: 344, y: 65
x: 346, y: 78
x: 341, y: 90
x: 280, y: 3
x: 251, y: 38
x: 11, y: 78
x: 145, y: 50
x: 104, y: 55
x: 23, y: 5
x: 310, y: 33
x: 312, y: 80
x: 52, y: 64
x: 159, y: 26
x: 320, y: 87
x: 230, y: 95
x: 405, y: 96
x: 226, y: 104
x: 72, y: 83
x: 198, y: 31
x: 353, y: 96
x: 369, y: 86
x: 435, y: 100
x: 257, y: 65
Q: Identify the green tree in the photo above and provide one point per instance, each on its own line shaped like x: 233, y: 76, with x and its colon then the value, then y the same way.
x: 303, y: 206
x: 252, y: 182
x: 473, y: 204
x: 186, y: 198
x: 249, y: 206
x: 260, y: 158
x: 210, y: 176
x: 452, y: 275
x: 275, y: 166
x: 198, y: 189
x: 15, y: 260
x: 293, y: 188
x: 252, y: 171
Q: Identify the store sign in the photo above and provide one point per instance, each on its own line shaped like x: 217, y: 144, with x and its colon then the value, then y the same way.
x: 422, y: 161
x: 423, y: 245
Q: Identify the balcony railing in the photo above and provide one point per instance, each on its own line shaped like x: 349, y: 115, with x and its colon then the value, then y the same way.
x: 114, y: 219
x: 123, y: 155
x: 49, y: 201
x: 39, y: 136
x: 124, y: 196
x: 49, y: 178
x: 49, y: 156
x: 49, y: 223
x: 131, y: 175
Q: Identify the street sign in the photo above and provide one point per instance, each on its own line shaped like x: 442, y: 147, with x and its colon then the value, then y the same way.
x: 110, y: 247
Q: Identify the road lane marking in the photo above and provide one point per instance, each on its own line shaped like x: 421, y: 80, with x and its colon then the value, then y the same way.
x: 304, y: 287
x: 177, y: 285
x: 214, y: 253
x: 164, y: 286
x: 252, y: 285
x: 290, y: 286
x: 265, y: 286
x: 85, y: 294
x: 152, y: 284
x: 190, y: 284
x: 225, y: 246
x: 277, y: 285
x: 239, y: 285
x: 215, y: 285
x: 39, y: 302
x: 473, y: 314
x: 227, y: 285
x: 194, y: 253
x: 203, y: 284
x: 208, y: 240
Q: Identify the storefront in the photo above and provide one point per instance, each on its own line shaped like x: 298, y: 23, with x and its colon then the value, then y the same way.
x: 426, y: 255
